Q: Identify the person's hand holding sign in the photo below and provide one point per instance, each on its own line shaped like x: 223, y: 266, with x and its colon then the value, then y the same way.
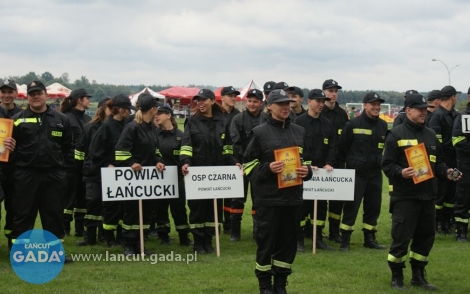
x: 277, y: 166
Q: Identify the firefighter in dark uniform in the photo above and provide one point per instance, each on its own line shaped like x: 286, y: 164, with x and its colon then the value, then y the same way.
x: 93, y: 219
x: 138, y: 147
x: 43, y: 139
x: 319, y: 143
x: 101, y: 153
x: 400, y: 118
x: 338, y: 118
x: 8, y: 93
x: 361, y: 145
x: 278, y: 211
x: 206, y: 142
x: 412, y: 205
x: 169, y: 144
x: 74, y: 107
x: 229, y: 98
x: 461, y: 142
x: 277, y: 86
x: 298, y: 95
x: 442, y: 122
x: 241, y: 130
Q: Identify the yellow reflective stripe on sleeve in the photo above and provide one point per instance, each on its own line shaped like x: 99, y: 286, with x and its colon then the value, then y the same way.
x: 222, y: 136
x: 30, y: 120
x: 334, y: 215
x: 381, y: 146
x: 79, y: 155
x: 325, y: 141
x: 362, y: 131
x: 390, y: 188
x: 407, y: 142
x: 432, y: 158
x: 394, y: 259
x: 263, y: 268
x: 56, y: 134
x: 122, y: 155
x: 248, y: 167
x: 458, y: 139
x: 301, y: 150
x: 457, y: 219
x: 448, y: 205
x: 339, y: 131
x: 281, y: 264
x: 83, y: 210
x: 187, y: 150
x: 438, y: 207
x: 417, y: 256
x: 369, y: 227
x: 346, y: 227
x: 227, y: 149
x: 109, y: 227
x: 176, y: 152
x: 67, y: 211
x: 308, y: 162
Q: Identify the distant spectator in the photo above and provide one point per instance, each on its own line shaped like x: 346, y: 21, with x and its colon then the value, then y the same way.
x: 352, y: 113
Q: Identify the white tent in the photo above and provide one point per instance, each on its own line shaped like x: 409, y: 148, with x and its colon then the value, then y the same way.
x: 134, y: 96
x: 57, y: 90
x: 250, y: 86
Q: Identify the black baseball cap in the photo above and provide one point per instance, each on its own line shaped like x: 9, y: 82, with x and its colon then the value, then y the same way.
x: 205, y: 94
x: 9, y: 83
x: 434, y: 94
x: 408, y: 92
x: 78, y: 93
x: 317, y: 94
x: 146, y: 102
x: 255, y: 93
x: 279, y: 95
x: 229, y: 90
x: 297, y: 90
x: 330, y: 84
x: 283, y: 85
x: 448, y: 91
x: 103, y: 101
x: 269, y: 86
x: 371, y: 97
x: 416, y: 101
x: 123, y: 101
x: 165, y: 109
x: 35, y: 85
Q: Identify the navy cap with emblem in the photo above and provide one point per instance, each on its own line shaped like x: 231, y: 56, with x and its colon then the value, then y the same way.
x: 9, y: 83
x: 205, y: 94
x: 283, y: 85
x: 229, y: 90
x: 434, y: 94
x: 371, y: 97
x: 408, y: 92
x: 122, y: 101
x: 416, y: 101
x: 269, y: 86
x: 255, y: 93
x: 317, y: 94
x: 297, y: 91
x: 279, y: 95
x: 35, y: 85
x: 330, y: 84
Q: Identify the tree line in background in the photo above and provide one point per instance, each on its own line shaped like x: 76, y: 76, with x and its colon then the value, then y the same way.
x: 102, y: 90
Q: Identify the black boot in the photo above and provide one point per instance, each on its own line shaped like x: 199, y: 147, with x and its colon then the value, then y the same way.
x: 397, y: 278
x: 165, y: 239
x: 90, y: 237
x: 446, y: 229
x: 334, y: 230
x: 300, y: 241
x: 67, y: 228
x: 265, y: 285
x: 370, y: 241
x: 438, y: 221
x: 308, y: 229
x: 208, y: 244
x: 79, y: 228
x: 110, y: 240
x: 319, y: 243
x: 280, y: 283
x: 345, y: 240
x: 199, y: 244
x: 461, y: 233
x: 101, y: 237
x: 129, y: 246
x: 419, y: 280
x: 138, y: 249
x: 184, y: 239
x: 236, y: 231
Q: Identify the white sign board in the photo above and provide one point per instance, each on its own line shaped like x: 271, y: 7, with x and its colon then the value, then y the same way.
x: 209, y: 182
x: 465, y: 123
x: 122, y: 183
x: 337, y: 184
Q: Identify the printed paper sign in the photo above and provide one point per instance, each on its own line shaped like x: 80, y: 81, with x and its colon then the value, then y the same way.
x: 337, y: 184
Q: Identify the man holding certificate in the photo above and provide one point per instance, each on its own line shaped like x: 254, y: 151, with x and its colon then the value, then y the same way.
x: 273, y: 164
x: 412, y: 161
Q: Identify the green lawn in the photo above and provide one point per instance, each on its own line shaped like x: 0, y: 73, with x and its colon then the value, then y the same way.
x: 358, y: 271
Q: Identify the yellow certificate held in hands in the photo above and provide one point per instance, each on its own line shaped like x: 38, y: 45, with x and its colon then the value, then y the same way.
x: 6, y: 129
x: 291, y: 157
x: 418, y: 159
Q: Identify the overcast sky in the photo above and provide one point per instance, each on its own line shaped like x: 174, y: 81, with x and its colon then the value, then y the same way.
x: 363, y: 44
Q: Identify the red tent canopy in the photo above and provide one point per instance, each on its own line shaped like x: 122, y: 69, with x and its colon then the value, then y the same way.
x: 184, y: 94
x: 218, y: 94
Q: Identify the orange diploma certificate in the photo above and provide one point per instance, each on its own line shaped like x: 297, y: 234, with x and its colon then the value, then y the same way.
x: 291, y: 157
x: 6, y: 129
x: 418, y: 159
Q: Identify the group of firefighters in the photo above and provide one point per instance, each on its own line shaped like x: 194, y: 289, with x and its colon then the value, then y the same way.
x: 57, y: 155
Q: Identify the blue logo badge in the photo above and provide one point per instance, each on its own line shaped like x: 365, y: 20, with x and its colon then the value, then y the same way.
x: 37, y: 256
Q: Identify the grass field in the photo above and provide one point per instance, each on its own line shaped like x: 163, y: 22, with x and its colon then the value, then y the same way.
x: 358, y: 271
